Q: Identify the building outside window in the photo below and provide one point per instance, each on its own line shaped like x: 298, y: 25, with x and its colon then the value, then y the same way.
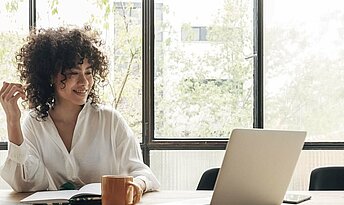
x: 194, y: 33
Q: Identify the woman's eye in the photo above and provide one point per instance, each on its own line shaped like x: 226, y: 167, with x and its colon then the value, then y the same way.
x: 71, y: 74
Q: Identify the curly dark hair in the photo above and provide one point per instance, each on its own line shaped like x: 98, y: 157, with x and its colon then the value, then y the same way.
x: 48, y: 52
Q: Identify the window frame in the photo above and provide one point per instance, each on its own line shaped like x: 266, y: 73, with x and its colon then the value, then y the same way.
x: 149, y: 142
x: 152, y: 143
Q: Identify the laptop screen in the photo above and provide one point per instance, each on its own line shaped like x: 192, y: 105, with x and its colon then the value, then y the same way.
x: 257, y: 166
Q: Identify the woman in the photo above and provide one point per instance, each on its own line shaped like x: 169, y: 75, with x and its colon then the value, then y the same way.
x: 68, y: 138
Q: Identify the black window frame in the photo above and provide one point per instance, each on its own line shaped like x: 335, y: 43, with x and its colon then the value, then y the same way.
x: 149, y: 142
x: 152, y: 143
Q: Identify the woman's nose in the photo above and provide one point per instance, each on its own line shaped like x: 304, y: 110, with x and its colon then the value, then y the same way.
x: 82, y: 79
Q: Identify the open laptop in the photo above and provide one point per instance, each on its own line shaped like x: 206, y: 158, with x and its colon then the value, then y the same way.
x: 257, y: 167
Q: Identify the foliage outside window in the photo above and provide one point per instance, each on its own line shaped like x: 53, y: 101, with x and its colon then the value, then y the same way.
x: 203, y: 88
x: 304, y: 67
x: 180, y: 112
x: 14, y: 27
x: 119, y: 24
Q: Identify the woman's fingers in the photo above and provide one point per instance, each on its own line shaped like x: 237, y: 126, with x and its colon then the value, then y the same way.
x: 10, y: 90
x: 4, y: 86
x: 15, y: 89
x: 18, y: 95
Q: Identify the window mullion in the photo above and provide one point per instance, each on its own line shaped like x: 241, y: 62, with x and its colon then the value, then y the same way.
x: 32, y: 14
x: 147, y: 76
x: 258, y: 84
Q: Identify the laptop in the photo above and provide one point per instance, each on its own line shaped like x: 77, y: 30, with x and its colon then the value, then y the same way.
x: 257, y: 167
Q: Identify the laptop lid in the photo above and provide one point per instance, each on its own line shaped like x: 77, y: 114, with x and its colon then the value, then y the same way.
x: 257, y: 166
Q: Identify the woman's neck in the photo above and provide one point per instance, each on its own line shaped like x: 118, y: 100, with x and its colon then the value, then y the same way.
x: 64, y: 113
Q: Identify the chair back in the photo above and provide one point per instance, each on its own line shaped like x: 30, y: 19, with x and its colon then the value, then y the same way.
x: 327, y: 178
x: 208, y: 179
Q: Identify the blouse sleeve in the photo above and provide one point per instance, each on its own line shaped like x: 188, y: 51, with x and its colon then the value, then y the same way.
x: 129, y: 154
x: 23, y: 169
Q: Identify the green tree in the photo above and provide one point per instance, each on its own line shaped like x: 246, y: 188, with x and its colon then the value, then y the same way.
x: 213, y: 93
x: 10, y: 42
x: 311, y: 94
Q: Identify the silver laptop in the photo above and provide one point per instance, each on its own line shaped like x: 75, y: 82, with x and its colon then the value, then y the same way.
x: 257, y: 167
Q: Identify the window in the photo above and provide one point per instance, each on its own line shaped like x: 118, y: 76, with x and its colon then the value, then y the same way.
x: 14, y: 27
x: 119, y: 23
x: 304, y: 67
x: 212, y: 68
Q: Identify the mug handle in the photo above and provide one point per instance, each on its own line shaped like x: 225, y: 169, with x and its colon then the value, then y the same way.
x: 137, y: 193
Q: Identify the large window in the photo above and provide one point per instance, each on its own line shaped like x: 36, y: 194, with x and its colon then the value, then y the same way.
x: 201, y: 59
x: 120, y: 25
x: 304, y: 67
x: 14, y: 21
x: 184, y: 73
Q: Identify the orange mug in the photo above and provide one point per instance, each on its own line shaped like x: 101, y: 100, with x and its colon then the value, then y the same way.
x: 119, y: 190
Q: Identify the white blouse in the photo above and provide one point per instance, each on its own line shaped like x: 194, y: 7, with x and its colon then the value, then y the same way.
x: 102, y: 144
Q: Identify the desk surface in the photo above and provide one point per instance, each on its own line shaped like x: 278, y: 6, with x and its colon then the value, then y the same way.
x: 8, y: 197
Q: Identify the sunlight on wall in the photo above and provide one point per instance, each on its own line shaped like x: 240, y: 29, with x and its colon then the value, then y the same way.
x: 182, y: 170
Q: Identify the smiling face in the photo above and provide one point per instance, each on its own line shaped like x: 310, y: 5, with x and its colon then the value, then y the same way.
x: 74, y: 87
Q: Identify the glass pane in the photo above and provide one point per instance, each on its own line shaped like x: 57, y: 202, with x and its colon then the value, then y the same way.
x: 119, y: 23
x: 303, y: 60
x: 182, y: 170
x: 203, y: 84
x: 14, y: 21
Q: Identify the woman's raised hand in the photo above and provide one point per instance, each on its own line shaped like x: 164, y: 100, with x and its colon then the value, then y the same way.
x: 9, y: 95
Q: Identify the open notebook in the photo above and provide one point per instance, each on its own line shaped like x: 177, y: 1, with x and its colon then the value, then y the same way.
x: 89, y: 192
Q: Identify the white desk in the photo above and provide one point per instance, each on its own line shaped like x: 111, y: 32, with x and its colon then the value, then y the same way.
x: 188, y: 197
x: 8, y: 197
